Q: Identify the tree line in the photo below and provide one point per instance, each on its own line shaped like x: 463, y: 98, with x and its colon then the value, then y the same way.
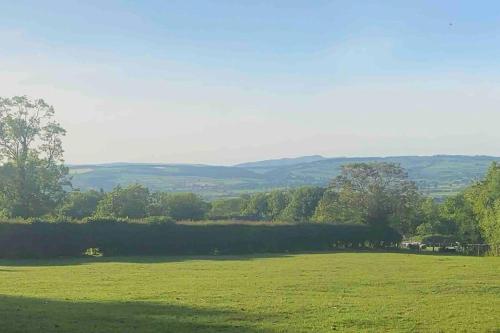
x: 34, y: 183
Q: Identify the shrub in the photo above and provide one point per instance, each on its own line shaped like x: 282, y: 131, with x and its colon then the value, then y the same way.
x: 113, y: 237
x: 158, y: 219
x: 104, y: 219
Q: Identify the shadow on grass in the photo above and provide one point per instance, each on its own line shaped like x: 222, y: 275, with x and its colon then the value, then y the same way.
x: 23, y: 314
x: 135, y: 259
x: 181, y: 258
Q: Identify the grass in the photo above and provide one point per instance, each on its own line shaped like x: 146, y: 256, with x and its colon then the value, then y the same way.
x: 345, y: 292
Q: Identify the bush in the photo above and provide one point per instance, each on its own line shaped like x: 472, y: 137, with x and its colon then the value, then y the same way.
x: 41, y: 239
x: 78, y: 205
x: 158, y: 219
x: 224, y: 209
x: 131, y: 201
x: 104, y: 219
x: 125, y: 238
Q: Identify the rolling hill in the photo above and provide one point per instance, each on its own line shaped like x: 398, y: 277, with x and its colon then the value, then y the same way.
x: 439, y: 175
x: 282, y: 161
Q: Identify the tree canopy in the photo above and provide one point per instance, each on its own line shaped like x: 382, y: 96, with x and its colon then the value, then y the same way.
x: 32, y: 174
x: 371, y: 193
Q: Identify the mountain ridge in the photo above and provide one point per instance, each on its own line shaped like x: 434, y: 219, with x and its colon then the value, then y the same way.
x: 437, y: 175
x: 282, y: 161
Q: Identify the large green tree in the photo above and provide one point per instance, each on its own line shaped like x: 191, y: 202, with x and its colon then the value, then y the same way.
x: 371, y: 193
x: 485, y: 198
x: 459, y: 210
x: 32, y: 173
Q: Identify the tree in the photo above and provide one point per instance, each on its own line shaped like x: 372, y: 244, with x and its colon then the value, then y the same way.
x: 328, y: 209
x: 459, y: 210
x: 179, y: 206
x: 433, y: 220
x: 131, y: 201
x: 485, y: 198
x: 490, y: 224
x: 256, y: 207
x: 186, y: 206
x: 472, y: 216
x: 32, y: 173
x: 226, y: 208
x: 278, y: 200
x: 377, y: 194
x: 158, y: 204
x: 81, y: 204
x: 302, y: 204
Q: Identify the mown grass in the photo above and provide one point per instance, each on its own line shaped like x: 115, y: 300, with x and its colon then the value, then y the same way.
x: 346, y: 292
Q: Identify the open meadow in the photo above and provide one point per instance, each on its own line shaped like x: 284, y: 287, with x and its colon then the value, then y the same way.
x: 324, y: 292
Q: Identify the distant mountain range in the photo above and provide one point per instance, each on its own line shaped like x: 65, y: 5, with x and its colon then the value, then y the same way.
x: 282, y: 161
x: 439, y: 175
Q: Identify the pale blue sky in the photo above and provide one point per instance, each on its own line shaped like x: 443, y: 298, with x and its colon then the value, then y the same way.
x: 230, y: 81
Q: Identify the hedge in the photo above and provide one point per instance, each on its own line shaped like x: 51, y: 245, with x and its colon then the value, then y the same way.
x: 42, y: 240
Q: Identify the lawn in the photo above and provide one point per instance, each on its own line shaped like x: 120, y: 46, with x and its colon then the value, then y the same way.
x: 345, y: 292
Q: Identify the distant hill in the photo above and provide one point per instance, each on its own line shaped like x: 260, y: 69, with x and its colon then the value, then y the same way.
x: 438, y: 176
x: 282, y: 161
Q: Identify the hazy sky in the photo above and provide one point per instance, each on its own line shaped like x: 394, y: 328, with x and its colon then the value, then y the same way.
x: 223, y: 82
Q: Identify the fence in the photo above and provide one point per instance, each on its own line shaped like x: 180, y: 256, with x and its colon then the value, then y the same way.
x: 479, y: 249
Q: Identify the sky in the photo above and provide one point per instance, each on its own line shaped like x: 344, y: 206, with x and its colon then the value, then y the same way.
x: 223, y: 82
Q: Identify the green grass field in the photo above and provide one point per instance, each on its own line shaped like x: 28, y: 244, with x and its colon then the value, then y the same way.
x: 345, y: 292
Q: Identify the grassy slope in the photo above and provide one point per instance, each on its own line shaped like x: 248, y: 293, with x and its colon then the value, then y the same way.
x: 436, y: 175
x: 348, y: 292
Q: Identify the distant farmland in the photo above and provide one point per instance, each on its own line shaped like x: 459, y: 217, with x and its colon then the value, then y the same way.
x: 437, y: 176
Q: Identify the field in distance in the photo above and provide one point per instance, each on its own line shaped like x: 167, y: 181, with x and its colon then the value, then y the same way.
x: 437, y: 176
x: 346, y: 292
